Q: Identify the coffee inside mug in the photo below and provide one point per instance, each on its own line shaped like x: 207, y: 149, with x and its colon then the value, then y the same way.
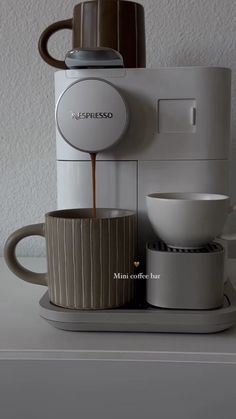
x: 87, y: 213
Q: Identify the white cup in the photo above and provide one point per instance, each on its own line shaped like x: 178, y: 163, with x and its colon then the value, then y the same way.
x: 189, y: 220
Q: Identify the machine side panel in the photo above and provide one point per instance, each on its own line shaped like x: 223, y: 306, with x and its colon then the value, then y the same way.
x: 116, y: 185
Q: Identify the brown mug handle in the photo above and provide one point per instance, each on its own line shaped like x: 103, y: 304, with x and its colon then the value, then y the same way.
x: 10, y: 254
x: 44, y: 38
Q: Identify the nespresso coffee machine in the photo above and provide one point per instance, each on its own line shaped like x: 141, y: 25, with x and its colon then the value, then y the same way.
x: 165, y: 130
x: 154, y: 130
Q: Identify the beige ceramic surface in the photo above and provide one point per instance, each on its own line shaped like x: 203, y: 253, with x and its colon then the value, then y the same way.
x: 83, y: 253
x: 188, y: 220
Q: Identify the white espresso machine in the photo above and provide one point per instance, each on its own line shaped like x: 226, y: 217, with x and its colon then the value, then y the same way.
x: 153, y: 130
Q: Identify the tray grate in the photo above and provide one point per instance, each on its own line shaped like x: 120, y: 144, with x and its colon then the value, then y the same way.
x: 162, y: 247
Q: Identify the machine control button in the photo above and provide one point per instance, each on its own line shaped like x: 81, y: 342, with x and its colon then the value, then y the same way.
x: 177, y: 116
x: 91, y: 115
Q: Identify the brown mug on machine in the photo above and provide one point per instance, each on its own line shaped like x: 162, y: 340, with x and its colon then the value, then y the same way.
x: 116, y: 24
x: 87, y: 257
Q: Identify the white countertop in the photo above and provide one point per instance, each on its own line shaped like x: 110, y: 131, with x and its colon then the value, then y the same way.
x: 24, y: 335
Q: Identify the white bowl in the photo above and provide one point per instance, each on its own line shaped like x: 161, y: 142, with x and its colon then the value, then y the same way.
x: 187, y: 220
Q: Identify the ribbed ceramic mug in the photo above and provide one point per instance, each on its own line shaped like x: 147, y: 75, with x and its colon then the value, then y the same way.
x: 116, y: 24
x: 83, y: 256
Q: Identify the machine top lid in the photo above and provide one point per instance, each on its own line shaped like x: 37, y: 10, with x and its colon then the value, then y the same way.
x: 94, y: 58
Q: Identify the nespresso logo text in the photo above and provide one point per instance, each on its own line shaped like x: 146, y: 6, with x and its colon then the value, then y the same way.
x: 91, y: 115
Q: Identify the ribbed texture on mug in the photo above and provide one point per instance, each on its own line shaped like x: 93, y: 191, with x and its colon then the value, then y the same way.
x: 114, y: 24
x: 84, y: 255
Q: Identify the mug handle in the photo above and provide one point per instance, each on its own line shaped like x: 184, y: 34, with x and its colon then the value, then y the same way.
x: 44, y: 38
x: 10, y: 254
x: 233, y: 235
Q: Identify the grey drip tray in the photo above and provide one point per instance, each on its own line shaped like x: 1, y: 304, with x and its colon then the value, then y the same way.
x: 148, y: 319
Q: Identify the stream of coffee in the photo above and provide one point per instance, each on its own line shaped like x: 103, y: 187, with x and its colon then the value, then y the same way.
x: 93, y: 160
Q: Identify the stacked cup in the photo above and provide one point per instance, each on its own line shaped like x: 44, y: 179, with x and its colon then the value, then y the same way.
x: 189, y: 263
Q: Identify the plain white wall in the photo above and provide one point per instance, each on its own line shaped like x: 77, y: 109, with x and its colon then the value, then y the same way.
x: 179, y: 32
